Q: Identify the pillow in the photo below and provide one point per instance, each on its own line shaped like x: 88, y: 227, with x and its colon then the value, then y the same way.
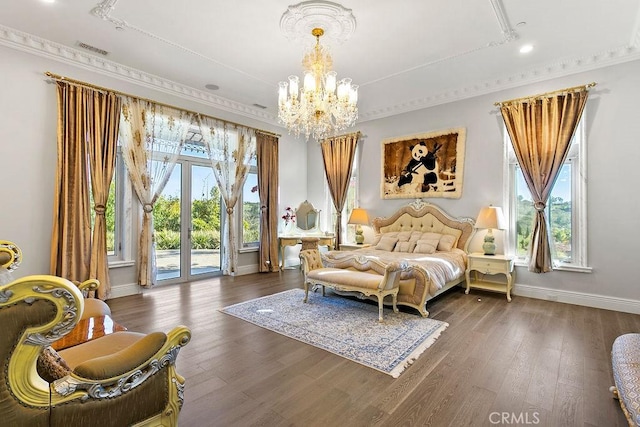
x: 378, y: 237
x: 51, y: 366
x: 404, y: 247
x: 415, y: 236
x: 404, y: 236
x: 430, y: 236
x: 446, y: 242
x: 425, y: 247
x: 386, y: 243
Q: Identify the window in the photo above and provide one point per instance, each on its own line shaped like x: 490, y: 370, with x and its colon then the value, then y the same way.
x: 113, y: 222
x: 565, y: 211
x: 251, y: 210
x: 115, y: 212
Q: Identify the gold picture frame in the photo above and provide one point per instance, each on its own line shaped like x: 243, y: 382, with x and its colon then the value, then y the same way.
x: 423, y: 165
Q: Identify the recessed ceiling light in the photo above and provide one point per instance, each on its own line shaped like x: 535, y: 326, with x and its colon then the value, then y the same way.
x: 48, y: 1
x: 526, y: 48
x: 211, y: 86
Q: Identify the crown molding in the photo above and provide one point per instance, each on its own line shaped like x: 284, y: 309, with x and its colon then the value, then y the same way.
x: 31, y: 44
x: 559, y: 69
x: 35, y: 45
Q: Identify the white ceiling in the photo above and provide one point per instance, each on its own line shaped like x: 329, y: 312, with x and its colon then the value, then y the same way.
x: 404, y: 54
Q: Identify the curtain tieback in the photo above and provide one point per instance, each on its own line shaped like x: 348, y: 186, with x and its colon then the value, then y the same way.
x: 147, y: 207
x: 229, y: 211
x: 539, y: 206
x: 99, y: 209
x: 263, y: 208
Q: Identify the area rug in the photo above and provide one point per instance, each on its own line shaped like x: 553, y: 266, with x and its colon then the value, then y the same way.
x: 344, y: 326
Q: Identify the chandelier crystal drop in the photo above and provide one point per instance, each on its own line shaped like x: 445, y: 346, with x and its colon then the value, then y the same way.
x: 323, y: 106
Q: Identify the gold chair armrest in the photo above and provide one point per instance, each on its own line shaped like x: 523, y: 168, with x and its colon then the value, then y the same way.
x: 87, y: 286
x: 10, y: 255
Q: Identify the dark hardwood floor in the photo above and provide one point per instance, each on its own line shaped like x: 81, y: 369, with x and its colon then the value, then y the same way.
x: 528, y: 362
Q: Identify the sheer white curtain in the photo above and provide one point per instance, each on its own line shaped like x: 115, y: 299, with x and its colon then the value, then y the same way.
x: 230, y: 148
x: 151, y: 136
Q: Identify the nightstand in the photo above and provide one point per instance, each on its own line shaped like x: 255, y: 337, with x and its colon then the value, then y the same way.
x: 483, y: 265
x: 353, y: 246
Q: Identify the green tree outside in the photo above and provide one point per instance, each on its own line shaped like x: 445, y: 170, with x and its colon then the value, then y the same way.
x: 559, y: 217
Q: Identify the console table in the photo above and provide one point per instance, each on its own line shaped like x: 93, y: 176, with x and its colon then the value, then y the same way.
x: 296, y: 239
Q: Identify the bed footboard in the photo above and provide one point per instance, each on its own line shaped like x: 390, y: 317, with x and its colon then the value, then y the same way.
x: 414, y: 281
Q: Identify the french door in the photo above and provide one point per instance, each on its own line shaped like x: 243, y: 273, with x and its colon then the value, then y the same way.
x: 187, y: 224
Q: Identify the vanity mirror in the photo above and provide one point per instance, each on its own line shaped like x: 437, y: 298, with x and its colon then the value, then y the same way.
x: 307, y: 217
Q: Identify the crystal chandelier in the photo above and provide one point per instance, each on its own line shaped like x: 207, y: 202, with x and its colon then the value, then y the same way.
x: 323, y: 106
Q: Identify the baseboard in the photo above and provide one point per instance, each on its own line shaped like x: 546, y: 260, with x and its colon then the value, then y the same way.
x: 247, y: 269
x: 125, y: 290
x: 133, y: 288
x: 578, y: 298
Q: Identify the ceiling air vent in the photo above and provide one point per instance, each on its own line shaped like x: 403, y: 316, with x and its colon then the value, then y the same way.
x: 93, y: 49
x: 260, y: 106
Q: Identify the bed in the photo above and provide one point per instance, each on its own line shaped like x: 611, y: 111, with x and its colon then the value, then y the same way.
x: 422, y: 235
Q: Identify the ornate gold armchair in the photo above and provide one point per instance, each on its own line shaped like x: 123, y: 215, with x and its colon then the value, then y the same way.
x: 133, y: 383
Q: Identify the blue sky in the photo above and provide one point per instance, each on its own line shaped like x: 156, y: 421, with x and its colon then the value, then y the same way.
x: 562, y: 187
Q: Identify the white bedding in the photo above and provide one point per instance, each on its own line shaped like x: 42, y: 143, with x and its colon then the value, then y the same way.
x: 442, y: 267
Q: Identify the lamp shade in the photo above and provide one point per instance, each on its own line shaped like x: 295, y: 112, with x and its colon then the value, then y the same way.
x: 491, y: 217
x: 359, y: 216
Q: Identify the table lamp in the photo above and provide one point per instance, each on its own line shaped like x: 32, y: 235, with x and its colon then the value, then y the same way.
x: 359, y: 217
x: 490, y: 217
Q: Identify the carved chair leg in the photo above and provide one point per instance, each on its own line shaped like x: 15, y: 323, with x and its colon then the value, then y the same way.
x: 614, y: 391
x: 395, y: 303
x: 380, y: 308
x: 306, y: 291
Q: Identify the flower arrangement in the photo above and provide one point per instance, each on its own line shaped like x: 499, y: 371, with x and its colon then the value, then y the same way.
x: 289, y: 215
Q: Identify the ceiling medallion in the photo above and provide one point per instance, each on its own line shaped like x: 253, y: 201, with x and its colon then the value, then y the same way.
x: 300, y: 19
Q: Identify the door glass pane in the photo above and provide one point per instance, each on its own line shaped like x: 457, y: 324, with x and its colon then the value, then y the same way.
x: 205, y: 221
x: 166, y: 224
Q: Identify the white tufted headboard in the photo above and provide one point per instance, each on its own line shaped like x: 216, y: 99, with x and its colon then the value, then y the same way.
x: 425, y: 217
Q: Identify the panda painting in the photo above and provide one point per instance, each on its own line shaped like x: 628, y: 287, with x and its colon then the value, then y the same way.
x: 423, y: 165
x: 422, y: 168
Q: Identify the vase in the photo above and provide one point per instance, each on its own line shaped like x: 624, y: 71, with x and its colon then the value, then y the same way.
x: 288, y: 228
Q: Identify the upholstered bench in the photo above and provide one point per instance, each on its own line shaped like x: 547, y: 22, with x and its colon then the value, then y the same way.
x: 367, y: 277
x: 625, y: 361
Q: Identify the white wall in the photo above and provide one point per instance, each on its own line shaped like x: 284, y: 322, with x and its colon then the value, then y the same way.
x: 613, y: 130
x: 28, y: 155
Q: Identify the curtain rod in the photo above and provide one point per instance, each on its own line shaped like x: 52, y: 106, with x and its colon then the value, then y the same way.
x: 356, y: 134
x: 542, y: 95
x: 58, y: 77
